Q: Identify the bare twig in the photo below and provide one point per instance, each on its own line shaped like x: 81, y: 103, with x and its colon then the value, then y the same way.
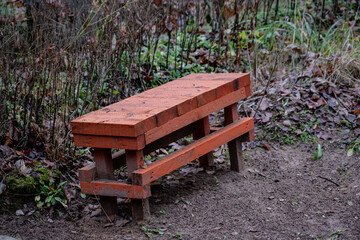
x: 329, y: 180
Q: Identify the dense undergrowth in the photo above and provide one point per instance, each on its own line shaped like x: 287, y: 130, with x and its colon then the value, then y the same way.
x: 62, y: 59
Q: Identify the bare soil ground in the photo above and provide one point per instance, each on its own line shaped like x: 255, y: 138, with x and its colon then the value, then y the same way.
x: 282, y: 194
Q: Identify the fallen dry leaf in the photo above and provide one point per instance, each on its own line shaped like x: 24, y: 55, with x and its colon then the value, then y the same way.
x: 265, y: 104
x: 266, y: 146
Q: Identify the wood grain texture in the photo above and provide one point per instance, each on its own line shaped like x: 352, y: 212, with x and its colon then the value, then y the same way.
x: 235, y: 147
x: 165, y: 129
x: 104, y: 187
x: 103, y: 163
x: 151, y: 109
x: 139, y: 207
x: 134, y: 160
x: 87, y: 173
x: 105, y: 169
x: 202, y: 129
x: 231, y: 114
x: 193, y: 151
x: 109, y: 141
x: 195, y: 115
x: 214, y: 76
x: 249, y: 137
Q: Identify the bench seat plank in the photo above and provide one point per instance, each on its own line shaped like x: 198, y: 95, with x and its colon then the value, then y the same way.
x: 149, y: 110
x: 214, y: 77
x: 109, y: 141
x: 194, y: 115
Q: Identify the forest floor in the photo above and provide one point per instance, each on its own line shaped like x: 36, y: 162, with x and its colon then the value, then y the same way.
x: 282, y: 194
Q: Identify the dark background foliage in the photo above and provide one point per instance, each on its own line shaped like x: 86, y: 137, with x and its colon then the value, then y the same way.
x: 62, y: 59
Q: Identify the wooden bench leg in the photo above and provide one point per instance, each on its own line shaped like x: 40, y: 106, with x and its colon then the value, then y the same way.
x: 201, y: 129
x: 140, y: 207
x: 235, y: 148
x: 105, y: 170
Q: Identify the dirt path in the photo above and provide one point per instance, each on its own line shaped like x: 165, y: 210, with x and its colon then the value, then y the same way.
x: 283, y: 194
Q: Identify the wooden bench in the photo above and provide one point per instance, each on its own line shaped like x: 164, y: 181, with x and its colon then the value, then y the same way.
x: 151, y: 120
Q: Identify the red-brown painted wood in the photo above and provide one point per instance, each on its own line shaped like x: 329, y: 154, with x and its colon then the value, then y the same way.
x: 109, y: 141
x: 131, y: 118
x: 105, y: 169
x: 103, y: 163
x: 231, y: 114
x: 87, y: 173
x: 104, y: 187
x: 202, y: 129
x: 151, y: 119
x: 214, y: 76
x: 140, y: 208
x: 126, y: 126
x: 195, y: 115
x: 134, y: 160
x: 235, y: 147
x: 158, y: 132
x: 193, y: 151
x: 248, y: 137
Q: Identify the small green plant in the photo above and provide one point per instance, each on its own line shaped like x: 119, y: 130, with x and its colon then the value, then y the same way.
x: 227, y: 155
x: 355, y: 146
x: 187, y: 140
x: 334, y: 235
x: 288, y: 139
x: 149, y: 232
x: 306, y: 137
x: 123, y: 169
x: 46, y: 175
x: 163, y: 211
x: 176, y: 235
x: 318, y: 153
x: 217, y: 181
x: 82, y: 152
x: 50, y: 195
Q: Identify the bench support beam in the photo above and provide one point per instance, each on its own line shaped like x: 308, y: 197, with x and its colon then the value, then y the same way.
x: 140, y: 207
x: 105, y: 169
x: 202, y: 129
x: 235, y: 146
x: 110, y: 188
x: 193, y: 151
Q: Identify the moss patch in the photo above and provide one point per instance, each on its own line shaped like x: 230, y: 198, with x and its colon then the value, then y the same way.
x: 21, y: 184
